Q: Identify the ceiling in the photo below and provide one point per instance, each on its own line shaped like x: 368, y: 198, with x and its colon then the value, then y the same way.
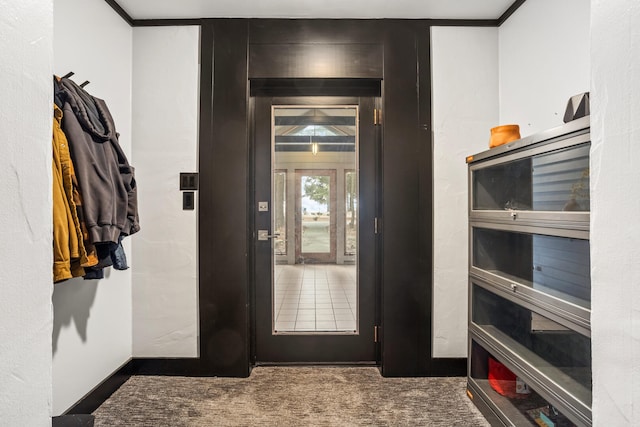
x: 411, y: 9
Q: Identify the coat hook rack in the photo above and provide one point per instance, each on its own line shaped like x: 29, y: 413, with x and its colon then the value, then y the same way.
x: 86, y: 82
x: 69, y: 74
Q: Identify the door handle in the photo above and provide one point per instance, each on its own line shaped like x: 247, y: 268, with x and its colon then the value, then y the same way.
x: 264, y: 235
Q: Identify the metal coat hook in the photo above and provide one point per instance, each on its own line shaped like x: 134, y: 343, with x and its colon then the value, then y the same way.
x: 86, y: 82
x: 69, y: 74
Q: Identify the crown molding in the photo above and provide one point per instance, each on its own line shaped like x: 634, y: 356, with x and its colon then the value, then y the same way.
x: 436, y: 22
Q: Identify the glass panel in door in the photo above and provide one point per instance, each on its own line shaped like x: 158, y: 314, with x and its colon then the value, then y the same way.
x: 280, y: 207
x: 314, y: 187
x: 351, y: 223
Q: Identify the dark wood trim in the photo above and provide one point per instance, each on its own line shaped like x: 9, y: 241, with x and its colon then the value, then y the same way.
x: 301, y: 139
x: 205, y: 153
x: 223, y: 221
x: 329, y: 60
x: 120, y: 11
x: 433, y: 22
x: 315, y: 120
x: 307, y: 31
x: 149, y: 22
x: 96, y: 397
x: 425, y: 184
x: 73, y: 420
x: 315, y: 87
x: 405, y: 282
x: 187, y: 367
x: 323, y: 364
x: 165, y: 22
x: 516, y: 4
x: 252, y: 224
x: 448, y: 367
x: 461, y: 22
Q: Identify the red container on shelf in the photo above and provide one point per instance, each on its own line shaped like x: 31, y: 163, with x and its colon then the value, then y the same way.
x: 502, y: 379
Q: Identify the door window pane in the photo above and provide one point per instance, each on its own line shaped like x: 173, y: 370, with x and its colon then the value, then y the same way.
x: 315, y: 218
x: 351, y: 217
x: 279, y: 212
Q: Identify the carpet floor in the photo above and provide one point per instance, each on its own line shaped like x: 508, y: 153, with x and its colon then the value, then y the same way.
x: 291, y: 396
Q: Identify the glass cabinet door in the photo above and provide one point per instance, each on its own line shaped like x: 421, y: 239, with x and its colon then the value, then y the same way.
x: 555, y: 181
x: 557, y: 266
x: 561, y: 354
x: 518, y: 401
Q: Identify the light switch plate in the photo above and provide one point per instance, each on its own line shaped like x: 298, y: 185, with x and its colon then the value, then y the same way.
x: 188, y: 200
x: 189, y: 181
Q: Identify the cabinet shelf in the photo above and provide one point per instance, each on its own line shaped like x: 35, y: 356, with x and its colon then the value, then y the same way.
x: 519, y: 412
x: 570, y: 376
x: 514, y: 410
x: 560, y: 310
x: 538, y: 291
x: 541, y: 228
x: 549, y: 381
x: 553, y: 222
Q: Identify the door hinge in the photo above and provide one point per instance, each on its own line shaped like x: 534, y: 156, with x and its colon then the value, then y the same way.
x: 377, y: 116
x: 375, y: 334
x: 375, y: 225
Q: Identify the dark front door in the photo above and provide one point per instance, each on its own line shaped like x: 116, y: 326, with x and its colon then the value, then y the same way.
x: 315, y: 178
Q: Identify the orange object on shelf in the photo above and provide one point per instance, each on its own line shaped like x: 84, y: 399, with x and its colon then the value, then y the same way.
x: 503, y: 134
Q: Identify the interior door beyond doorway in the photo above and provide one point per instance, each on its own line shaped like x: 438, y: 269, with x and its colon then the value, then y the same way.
x: 315, y: 231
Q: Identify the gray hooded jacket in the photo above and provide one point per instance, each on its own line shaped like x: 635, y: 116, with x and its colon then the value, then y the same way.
x: 105, y: 177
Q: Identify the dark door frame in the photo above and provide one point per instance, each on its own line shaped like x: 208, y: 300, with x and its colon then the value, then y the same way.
x: 236, y: 52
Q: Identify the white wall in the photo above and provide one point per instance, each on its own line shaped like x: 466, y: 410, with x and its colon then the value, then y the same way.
x: 615, y: 227
x: 465, y: 107
x: 165, y: 131
x: 523, y: 72
x: 544, y: 60
x: 26, y: 36
x: 92, y: 319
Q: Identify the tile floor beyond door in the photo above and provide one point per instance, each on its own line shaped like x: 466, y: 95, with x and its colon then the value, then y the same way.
x: 316, y: 298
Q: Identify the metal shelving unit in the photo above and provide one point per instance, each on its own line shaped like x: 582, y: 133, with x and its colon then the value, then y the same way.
x: 529, y: 280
